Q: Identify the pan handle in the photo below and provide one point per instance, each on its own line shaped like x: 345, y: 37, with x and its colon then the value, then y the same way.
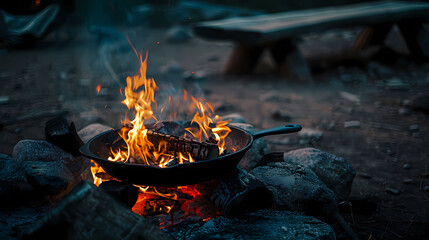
x: 289, y: 128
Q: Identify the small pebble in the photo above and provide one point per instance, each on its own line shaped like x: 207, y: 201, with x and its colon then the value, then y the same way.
x: 404, y: 111
x: 407, y: 180
x: 414, y: 127
x: 426, y: 189
x: 4, y: 99
x: 406, y: 103
x: 406, y: 166
x: 393, y: 191
x: 352, y: 124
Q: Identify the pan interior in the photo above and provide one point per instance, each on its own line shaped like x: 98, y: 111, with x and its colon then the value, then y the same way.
x: 101, y: 145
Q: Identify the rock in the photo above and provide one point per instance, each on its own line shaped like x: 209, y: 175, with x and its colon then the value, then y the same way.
x: 12, y: 177
x: 264, y: 224
x: 414, y: 128
x: 407, y: 180
x: 310, y: 134
x: 178, y: 34
x: 374, y: 68
x: 406, y: 166
x: 234, y: 118
x: 92, y: 130
x: 351, y: 97
x: 334, y: 171
x: 352, y: 124
x: 4, y: 99
x: 426, y: 189
x: 393, y: 191
x: 281, y: 115
x: 296, y: 188
x: 259, y: 148
x: 280, y: 141
x: 48, y: 177
x: 404, y: 111
x: 397, y: 84
x: 420, y: 102
x: 43, y: 151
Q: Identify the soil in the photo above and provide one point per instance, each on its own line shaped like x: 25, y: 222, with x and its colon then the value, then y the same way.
x: 60, y: 75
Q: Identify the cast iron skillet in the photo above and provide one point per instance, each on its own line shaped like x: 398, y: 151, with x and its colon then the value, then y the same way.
x: 98, y: 149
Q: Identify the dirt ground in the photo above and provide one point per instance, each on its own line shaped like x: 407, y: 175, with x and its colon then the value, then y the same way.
x: 60, y: 75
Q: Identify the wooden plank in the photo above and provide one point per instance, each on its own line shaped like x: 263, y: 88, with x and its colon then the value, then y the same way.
x: 281, y: 25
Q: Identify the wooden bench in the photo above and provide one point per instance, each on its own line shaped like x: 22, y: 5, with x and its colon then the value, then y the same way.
x: 278, y: 32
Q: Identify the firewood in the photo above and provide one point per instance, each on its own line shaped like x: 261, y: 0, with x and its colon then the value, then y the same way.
x: 123, y: 192
x: 60, y: 133
x: 89, y: 213
x: 236, y: 193
x: 198, y: 150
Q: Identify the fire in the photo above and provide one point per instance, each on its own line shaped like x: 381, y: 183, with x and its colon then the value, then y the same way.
x: 140, y: 98
x: 206, y: 126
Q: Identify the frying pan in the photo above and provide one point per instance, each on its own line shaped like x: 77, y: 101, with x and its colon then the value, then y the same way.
x: 98, y: 149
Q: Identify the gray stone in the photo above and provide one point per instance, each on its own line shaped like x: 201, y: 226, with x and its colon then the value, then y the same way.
x: 4, y: 99
x: 426, y: 189
x: 91, y: 131
x: 259, y: 148
x: 393, y: 191
x: 352, y: 124
x: 334, y: 171
x: 310, y: 134
x: 49, y: 178
x: 404, y: 111
x: 406, y: 166
x: 178, y: 34
x: 12, y: 177
x: 43, y: 151
x: 414, y: 127
x: 351, y: 97
x: 407, y: 180
x: 397, y: 84
x: 264, y: 224
x: 296, y: 188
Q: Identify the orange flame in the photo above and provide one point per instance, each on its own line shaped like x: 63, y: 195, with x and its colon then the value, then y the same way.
x: 140, y: 99
x: 98, y: 88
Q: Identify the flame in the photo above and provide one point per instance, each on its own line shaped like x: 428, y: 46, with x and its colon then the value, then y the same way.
x: 98, y: 88
x: 140, y: 98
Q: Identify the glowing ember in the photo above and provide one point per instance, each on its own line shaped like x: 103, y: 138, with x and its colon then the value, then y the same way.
x: 98, y: 88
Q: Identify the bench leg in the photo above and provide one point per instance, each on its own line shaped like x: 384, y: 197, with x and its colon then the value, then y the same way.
x: 416, y: 37
x: 243, y: 59
x: 290, y: 61
x: 372, y: 35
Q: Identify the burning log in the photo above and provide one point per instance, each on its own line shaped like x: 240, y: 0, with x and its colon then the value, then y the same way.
x: 60, y: 133
x: 89, y: 213
x: 236, y: 193
x: 123, y: 192
x: 198, y: 150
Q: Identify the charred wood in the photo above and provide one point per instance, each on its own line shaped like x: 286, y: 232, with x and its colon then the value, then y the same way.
x: 60, y: 133
x: 236, y: 193
x: 125, y: 193
x: 89, y: 213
